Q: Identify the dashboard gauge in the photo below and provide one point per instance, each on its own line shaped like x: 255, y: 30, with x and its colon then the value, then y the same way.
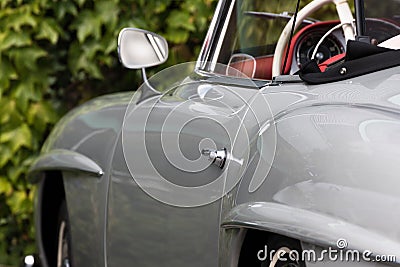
x: 330, y: 47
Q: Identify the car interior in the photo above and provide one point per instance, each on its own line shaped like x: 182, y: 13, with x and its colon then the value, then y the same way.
x: 321, y: 42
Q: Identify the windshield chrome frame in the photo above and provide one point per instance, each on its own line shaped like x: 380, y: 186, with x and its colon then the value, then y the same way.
x: 209, y: 38
x: 215, y: 36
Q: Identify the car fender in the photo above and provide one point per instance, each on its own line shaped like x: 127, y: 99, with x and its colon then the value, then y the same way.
x: 336, y: 161
x: 63, y: 160
x: 83, y: 139
x: 74, y: 165
x: 308, y: 226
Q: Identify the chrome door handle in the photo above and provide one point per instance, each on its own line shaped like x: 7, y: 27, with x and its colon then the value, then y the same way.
x: 217, y: 157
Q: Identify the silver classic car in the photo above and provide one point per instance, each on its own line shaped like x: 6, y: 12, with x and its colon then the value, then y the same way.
x: 279, y: 146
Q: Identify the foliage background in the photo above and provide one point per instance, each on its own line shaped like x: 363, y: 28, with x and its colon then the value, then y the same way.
x: 56, y: 54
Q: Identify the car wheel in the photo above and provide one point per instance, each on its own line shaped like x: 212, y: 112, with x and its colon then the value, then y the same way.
x: 270, y: 250
x: 64, y: 238
x: 283, y: 252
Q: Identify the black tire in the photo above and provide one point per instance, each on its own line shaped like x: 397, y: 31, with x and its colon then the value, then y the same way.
x: 266, y: 249
x: 64, y: 255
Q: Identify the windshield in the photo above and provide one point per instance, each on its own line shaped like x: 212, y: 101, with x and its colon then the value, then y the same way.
x: 383, y: 18
x: 385, y: 9
x: 253, y: 27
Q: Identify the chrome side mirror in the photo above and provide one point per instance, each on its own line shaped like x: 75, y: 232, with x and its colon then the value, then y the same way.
x: 138, y: 49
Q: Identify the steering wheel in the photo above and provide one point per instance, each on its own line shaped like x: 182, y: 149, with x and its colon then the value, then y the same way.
x: 345, y: 16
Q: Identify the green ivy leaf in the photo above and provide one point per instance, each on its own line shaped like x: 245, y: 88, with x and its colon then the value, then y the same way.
x: 16, y: 202
x: 181, y: 20
x: 26, y: 57
x: 63, y: 8
x: 107, y: 12
x: 22, y: 16
x: 14, y: 172
x: 50, y: 30
x: 10, y: 39
x: 177, y: 35
x: 4, y: 3
x: 7, y: 73
x: 5, y: 155
x: 41, y: 114
x: 5, y: 186
x: 81, y: 59
x: 109, y: 45
x: 17, y: 138
x: 87, y: 24
x: 10, y: 118
x: 24, y: 92
x: 80, y: 2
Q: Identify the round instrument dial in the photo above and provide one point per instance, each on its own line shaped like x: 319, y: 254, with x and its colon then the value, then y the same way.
x: 330, y: 47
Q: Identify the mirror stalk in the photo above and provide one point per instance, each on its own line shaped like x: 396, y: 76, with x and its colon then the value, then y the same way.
x: 147, y: 89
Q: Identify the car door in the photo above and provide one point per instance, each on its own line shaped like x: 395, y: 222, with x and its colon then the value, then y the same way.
x: 165, y: 194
